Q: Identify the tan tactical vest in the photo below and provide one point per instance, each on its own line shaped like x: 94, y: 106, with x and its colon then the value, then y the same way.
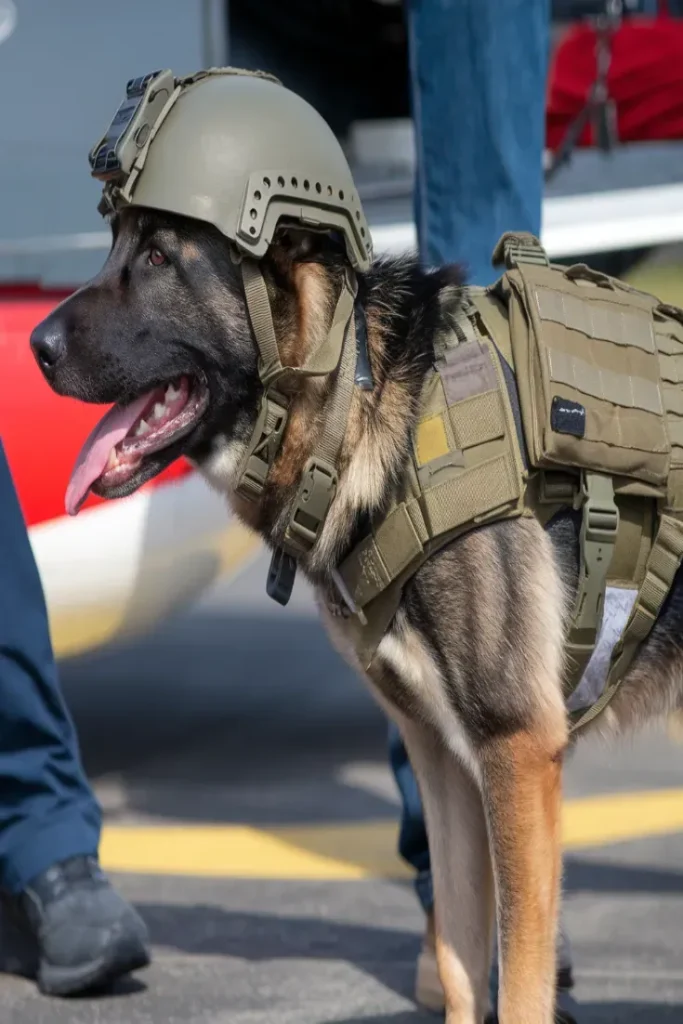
x: 592, y: 419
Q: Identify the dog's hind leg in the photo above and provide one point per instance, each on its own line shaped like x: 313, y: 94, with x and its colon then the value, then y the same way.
x: 522, y: 783
x: 461, y: 869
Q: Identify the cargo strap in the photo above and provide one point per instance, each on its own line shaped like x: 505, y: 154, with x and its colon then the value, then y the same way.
x: 599, y: 526
x: 661, y: 568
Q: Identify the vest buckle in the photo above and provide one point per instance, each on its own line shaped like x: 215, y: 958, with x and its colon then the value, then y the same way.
x: 316, y: 492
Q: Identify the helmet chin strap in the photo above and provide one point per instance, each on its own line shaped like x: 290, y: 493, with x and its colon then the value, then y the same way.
x: 318, y: 485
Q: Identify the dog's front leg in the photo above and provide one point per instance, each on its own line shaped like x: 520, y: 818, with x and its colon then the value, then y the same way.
x: 461, y: 870
x: 522, y: 786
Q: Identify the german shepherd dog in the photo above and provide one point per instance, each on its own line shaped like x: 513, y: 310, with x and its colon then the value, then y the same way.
x: 471, y: 666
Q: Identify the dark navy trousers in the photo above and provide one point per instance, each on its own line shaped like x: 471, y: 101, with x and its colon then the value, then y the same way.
x: 47, y: 809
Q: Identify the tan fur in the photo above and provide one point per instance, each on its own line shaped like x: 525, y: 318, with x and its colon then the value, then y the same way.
x: 522, y: 792
x: 461, y: 869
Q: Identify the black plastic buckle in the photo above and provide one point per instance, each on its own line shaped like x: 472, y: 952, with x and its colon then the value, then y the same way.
x: 281, y: 576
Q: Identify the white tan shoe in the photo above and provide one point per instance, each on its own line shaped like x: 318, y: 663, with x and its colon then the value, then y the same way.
x: 428, y: 990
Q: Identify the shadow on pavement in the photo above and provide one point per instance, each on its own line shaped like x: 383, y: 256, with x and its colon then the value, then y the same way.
x: 587, y: 875
x: 591, y: 1013
x: 217, y: 703
x: 630, y: 1013
x: 411, y: 1017
x: 386, y: 954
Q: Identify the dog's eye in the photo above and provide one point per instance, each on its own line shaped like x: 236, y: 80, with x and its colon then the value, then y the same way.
x: 156, y: 257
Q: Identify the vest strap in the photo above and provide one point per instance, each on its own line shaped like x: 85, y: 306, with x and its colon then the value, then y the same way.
x: 662, y: 565
x: 269, y: 429
x: 599, y: 528
x: 515, y: 247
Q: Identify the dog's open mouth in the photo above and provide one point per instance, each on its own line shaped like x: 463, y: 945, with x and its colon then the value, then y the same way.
x: 111, y: 460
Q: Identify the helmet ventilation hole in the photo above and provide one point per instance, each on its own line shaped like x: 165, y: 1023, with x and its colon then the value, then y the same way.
x: 266, y: 182
x: 281, y: 181
x: 295, y: 183
x: 318, y: 187
x: 329, y: 190
x: 341, y: 194
x: 253, y: 214
x: 257, y: 195
x: 307, y: 185
x: 252, y: 230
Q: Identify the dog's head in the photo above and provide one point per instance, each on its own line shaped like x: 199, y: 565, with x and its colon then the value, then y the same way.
x: 162, y: 332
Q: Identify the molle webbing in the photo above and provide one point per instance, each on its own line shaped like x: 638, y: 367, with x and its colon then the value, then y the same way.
x: 592, y: 421
x: 595, y: 363
x: 588, y: 372
x: 464, y: 468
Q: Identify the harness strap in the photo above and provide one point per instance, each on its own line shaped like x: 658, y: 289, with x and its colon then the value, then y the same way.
x: 599, y: 528
x: 272, y: 419
x: 261, y: 317
x: 318, y: 484
x: 662, y: 565
x: 515, y: 247
x: 401, y: 538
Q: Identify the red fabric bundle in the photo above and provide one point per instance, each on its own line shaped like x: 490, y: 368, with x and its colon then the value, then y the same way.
x: 645, y: 80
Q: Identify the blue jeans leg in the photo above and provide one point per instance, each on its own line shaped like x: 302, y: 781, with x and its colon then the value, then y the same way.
x: 412, y: 839
x: 478, y: 73
x: 478, y: 70
x: 47, y: 810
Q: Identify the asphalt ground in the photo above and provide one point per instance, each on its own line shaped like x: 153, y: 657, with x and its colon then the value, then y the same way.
x: 251, y: 818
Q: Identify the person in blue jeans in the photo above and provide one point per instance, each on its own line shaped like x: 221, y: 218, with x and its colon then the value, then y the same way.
x: 478, y: 72
x: 81, y: 933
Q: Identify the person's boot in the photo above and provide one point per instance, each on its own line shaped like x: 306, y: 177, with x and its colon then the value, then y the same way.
x: 430, y: 995
x: 86, y: 935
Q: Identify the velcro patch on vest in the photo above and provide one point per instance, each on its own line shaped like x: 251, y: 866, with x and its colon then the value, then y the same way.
x: 431, y: 440
x: 467, y: 370
x: 568, y: 417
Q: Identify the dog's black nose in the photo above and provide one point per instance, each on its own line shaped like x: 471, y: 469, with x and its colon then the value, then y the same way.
x: 48, y: 341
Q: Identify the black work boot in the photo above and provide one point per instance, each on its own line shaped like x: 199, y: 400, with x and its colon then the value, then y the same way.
x: 87, y: 935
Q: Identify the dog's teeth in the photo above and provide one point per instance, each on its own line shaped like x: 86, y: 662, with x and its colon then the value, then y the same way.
x: 112, y: 461
x: 143, y: 428
x: 158, y: 411
x: 172, y: 393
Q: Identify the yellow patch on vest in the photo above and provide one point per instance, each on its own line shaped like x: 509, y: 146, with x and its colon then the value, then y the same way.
x: 430, y: 440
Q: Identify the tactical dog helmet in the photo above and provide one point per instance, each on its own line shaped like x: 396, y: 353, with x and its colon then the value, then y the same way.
x: 238, y: 150
x: 234, y: 148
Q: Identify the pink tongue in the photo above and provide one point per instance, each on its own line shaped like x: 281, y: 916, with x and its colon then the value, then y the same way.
x: 94, y: 454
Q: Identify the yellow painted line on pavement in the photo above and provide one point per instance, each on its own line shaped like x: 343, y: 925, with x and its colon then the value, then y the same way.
x: 355, y: 850
x: 619, y: 817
